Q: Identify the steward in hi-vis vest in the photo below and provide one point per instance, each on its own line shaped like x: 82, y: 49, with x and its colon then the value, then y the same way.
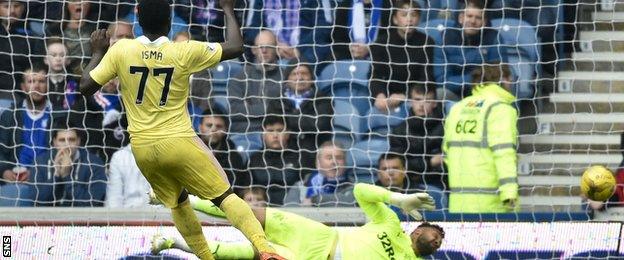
x: 480, y: 137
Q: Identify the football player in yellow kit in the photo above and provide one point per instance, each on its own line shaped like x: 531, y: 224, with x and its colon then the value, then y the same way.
x: 154, y: 73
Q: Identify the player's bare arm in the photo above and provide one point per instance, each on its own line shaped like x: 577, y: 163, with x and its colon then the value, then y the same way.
x: 99, y: 45
x: 233, y: 45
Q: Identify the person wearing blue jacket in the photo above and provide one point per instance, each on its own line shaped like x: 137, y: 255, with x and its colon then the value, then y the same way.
x: 468, y: 47
x: 302, y: 27
x: 68, y: 175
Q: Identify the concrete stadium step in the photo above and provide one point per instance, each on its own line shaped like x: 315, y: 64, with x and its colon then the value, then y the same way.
x: 609, y: 98
x: 581, y: 122
x: 608, y: 20
x: 601, y: 41
x: 585, y: 103
x: 550, y: 203
x: 552, y: 181
x: 565, y: 163
x: 549, y: 185
x: 571, y: 143
x: 590, y: 81
x: 598, y: 61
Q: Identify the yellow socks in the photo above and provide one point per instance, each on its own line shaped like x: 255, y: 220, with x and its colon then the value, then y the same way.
x: 241, y: 217
x: 189, y: 226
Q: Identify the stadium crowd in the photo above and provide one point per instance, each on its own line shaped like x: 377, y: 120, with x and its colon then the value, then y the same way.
x: 328, y: 94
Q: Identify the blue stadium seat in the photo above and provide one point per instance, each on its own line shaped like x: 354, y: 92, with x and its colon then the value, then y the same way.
x: 12, y: 195
x: 521, y: 44
x: 347, y: 122
x: 363, y: 157
x: 220, y: 75
x: 382, y: 123
x: 344, y: 71
x: 433, y: 9
x: 221, y: 102
x: 436, y: 29
x: 246, y: 144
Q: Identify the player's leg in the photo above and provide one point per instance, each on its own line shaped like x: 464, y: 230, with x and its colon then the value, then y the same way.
x: 305, y: 238
x: 188, y: 225
x: 205, y: 178
x: 220, y: 250
x: 206, y: 206
x: 155, y: 163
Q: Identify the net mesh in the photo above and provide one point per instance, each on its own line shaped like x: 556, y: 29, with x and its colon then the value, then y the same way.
x: 327, y: 94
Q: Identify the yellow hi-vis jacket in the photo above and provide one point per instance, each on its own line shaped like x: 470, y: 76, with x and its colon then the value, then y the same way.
x: 480, y: 137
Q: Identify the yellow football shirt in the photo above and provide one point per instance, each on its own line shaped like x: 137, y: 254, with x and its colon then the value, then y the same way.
x: 154, y: 82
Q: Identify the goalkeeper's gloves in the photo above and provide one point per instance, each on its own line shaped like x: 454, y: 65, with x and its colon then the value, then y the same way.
x: 411, y: 203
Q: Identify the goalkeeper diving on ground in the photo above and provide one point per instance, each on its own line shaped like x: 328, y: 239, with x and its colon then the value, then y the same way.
x: 298, y: 238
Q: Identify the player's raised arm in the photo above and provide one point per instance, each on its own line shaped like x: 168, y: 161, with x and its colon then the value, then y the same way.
x: 233, y: 45
x: 372, y: 198
x: 99, y: 46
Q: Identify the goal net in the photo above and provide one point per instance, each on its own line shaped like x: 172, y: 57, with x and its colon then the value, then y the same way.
x: 326, y: 95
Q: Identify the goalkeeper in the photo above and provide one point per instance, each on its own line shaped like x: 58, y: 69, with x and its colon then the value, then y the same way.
x: 296, y: 237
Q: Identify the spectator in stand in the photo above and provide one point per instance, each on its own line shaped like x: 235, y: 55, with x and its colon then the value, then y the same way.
x: 308, y: 112
x: 468, y: 47
x: 617, y: 200
x: 401, y: 55
x: 275, y: 166
x: 302, y: 27
x: 250, y: 92
x: 357, y: 24
x: 419, y: 138
x: 392, y: 175
x: 76, y: 29
x: 68, y: 175
x: 205, y: 18
x: 62, y: 87
x: 255, y: 197
x: 102, y: 113
x: 17, y: 52
x: 328, y: 186
x: 25, y: 134
x: 213, y: 131
x: 120, y: 30
x: 480, y: 137
x: 114, y: 122
x: 127, y: 188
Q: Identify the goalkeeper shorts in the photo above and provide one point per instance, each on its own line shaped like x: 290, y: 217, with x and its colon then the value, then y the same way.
x: 307, y: 239
x: 172, y: 164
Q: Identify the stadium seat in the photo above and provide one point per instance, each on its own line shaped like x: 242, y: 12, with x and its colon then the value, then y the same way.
x: 347, y: 122
x: 12, y: 195
x: 246, y: 144
x: 382, y: 123
x: 221, y: 102
x: 521, y: 45
x: 436, y: 29
x: 344, y: 71
x: 363, y: 157
x: 220, y: 75
x: 435, y: 9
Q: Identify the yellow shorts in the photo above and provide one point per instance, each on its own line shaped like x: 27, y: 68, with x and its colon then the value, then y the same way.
x: 172, y: 164
x: 305, y: 238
